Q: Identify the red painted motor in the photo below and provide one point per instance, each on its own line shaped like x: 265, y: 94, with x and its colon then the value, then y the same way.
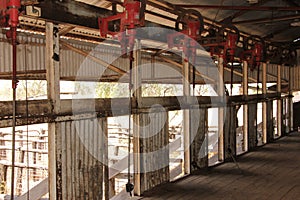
x: 254, y: 52
x: 186, y: 39
x: 229, y: 47
x: 124, y: 23
x: 9, y: 17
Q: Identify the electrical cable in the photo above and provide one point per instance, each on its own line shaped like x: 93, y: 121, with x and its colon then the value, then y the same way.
x: 214, y: 21
x: 129, y: 185
x: 14, y: 87
x: 27, y: 121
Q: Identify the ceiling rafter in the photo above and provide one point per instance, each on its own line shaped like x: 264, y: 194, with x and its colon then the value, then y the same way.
x: 291, y: 3
x: 242, y: 12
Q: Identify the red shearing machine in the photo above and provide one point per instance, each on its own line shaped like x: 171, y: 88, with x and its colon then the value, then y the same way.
x: 122, y: 25
x: 186, y: 39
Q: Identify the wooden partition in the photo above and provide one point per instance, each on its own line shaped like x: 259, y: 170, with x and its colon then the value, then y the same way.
x: 199, y: 138
x: 153, y: 140
x: 270, y: 122
x: 252, y: 130
x: 80, y: 158
x: 230, y: 132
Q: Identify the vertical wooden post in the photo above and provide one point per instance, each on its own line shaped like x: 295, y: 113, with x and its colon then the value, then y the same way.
x: 53, y: 92
x: 252, y: 115
x: 264, y: 104
x: 279, y: 101
x: 245, y: 107
x: 109, y: 184
x: 137, y: 95
x: 290, y: 101
x: 186, y: 116
x: 221, y: 111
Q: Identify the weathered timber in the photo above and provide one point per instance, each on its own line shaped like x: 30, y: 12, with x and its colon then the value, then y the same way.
x: 199, y: 139
x: 252, y: 129
x: 230, y: 132
x: 40, y: 111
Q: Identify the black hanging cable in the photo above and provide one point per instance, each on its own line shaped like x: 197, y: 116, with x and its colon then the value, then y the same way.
x: 257, y: 88
x: 194, y: 79
x: 27, y: 121
x: 129, y: 185
x: 231, y: 79
x: 14, y: 88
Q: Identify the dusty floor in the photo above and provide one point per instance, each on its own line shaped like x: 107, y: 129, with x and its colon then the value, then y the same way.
x: 270, y: 172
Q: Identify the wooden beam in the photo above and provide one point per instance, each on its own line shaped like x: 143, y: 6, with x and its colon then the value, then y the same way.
x: 53, y: 92
x: 221, y: 87
x: 186, y: 115
x: 264, y: 104
x: 40, y: 111
x: 279, y: 102
x: 245, y: 107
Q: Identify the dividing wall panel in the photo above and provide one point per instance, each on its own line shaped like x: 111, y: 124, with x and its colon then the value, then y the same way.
x: 199, y: 138
x: 81, y: 150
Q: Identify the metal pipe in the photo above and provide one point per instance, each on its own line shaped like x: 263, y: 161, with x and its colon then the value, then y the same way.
x: 254, y: 8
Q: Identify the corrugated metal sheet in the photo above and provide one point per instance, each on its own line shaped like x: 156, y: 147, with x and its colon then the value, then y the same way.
x: 81, y: 157
x: 74, y: 66
x: 31, y: 51
x: 296, y: 78
x: 154, y: 140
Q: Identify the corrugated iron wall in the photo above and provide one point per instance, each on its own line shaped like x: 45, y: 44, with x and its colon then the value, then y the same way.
x: 31, y: 53
x: 154, y: 140
x: 81, y: 158
x: 296, y: 78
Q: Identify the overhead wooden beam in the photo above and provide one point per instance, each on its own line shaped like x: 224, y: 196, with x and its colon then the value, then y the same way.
x: 267, y: 19
x: 241, y: 8
x: 72, y: 12
x: 242, y: 12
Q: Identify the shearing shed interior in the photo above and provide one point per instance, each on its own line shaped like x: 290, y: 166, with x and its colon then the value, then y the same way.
x: 149, y: 99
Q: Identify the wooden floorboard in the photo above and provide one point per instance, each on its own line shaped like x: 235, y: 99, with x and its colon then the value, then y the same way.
x: 269, y: 172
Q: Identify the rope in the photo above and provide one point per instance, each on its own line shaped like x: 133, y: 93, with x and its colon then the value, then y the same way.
x: 129, y: 185
x: 14, y: 87
x: 27, y: 122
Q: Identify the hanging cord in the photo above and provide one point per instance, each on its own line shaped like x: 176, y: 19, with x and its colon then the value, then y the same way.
x: 27, y: 121
x: 129, y: 185
x: 14, y: 87
x: 229, y: 151
x: 217, y: 13
x: 257, y: 88
x: 231, y: 78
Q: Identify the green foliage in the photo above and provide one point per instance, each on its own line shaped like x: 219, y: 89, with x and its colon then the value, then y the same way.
x: 112, y: 90
x: 160, y: 90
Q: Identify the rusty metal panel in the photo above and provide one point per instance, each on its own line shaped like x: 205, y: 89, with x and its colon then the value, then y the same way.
x: 82, y: 158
